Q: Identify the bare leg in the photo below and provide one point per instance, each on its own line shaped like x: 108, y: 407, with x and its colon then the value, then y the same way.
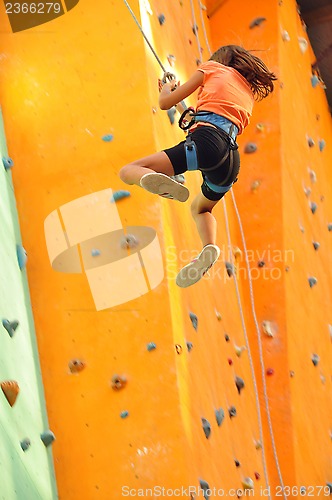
x: 158, y: 162
x: 201, y: 209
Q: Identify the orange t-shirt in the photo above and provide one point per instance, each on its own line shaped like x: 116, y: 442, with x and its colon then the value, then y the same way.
x: 226, y: 92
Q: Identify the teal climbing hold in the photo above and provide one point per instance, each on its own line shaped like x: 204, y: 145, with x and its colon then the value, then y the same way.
x: 314, y: 81
x: 151, y: 346
x: 161, y: 19
x: 7, y: 162
x: 321, y: 144
x: 315, y: 359
x: 257, y: 22
x: 329, y: 485
x: 232, y: 411
x: 21, y: 256
x: 329, y: 226
x: 312, y: 281
x: 206, y: 427
x: 230, y: 268
x: 250, y: 147
x: 47, y: 437
x: 220, y: 415
x: 10, y: 326
x: 313, y: 206
x: 107, y: 138
x: 189, y: 346
x: 25, y: 444
x: 205, y: 488
x: 124, y: 414
x: 119, y: 195
x: 171, y: 114
x: 194, y: 320
x: 316, y: 245
x: 239, y: 382
x: 95, y: 252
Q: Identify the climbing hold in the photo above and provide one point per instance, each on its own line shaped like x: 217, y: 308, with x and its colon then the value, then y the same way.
x: 314, y: 80
x: 257, y: 475
x: 178, y: 348
x: 323, y: 379
x: 118, y: 382
x: 258, y: 445
x: 250, y: 147
x: 195, y: 29
x: 107, y: 137
x: 257, y: 22
x: 268, y: 328
x: 220, y: 415
x: 313, y: 206
x: 232, y: 411
x: 189, y: 346
x: 119, y: 195
x: 7, y: 162
x: 237, y: 252
x: 315, y: 359
x: 25, y: 444
x: 248, y: 483
x: 230, y: 268
x: 76, y: 365
x: 21, y: 256
x: 129, y: 241
x: 194, y: 320
x: 311, y: 142
x: 255, y: 185
x: 321, y: 144
x: 47, y: 437
x: 205, y: 488
x: 301, y: 228
x: 10, y: 326
x: 95, y: 252
x: 303, y: 44
x: 227, y: 338
x: 287, y: 268
x: 292, y: 373
x: 260, y: 127
x: 239, y: 350
x: 285, y: 36
x: 312, y: 175
x: 316, y: 245
x: 329, y: 226
x: 206, y: 427
x: 124, y: 414
x: 261, y: 263
x: 239, y: 382
x: 329, y: 485
x: 219, y: 317
x: 10, y: 389
x: 230, y: 361
x: 237, y: 463
x: 171, y: 114
x: 312, y: 281
x: 330, y: 331
x: 307, y: 191
x: 161, y: 19
x: 151, y: 346
x: 198, y: 62
x: 269, y: 371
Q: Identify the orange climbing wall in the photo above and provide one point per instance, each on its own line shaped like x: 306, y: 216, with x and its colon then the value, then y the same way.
x: 88, y: 74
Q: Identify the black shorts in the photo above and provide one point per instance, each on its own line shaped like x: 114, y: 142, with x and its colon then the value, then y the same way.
x: 211, y: 145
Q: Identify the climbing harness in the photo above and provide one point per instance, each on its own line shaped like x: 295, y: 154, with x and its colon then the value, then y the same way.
x: 229, y: 132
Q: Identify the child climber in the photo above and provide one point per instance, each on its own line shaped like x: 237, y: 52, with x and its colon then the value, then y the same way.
x: 227, y: 85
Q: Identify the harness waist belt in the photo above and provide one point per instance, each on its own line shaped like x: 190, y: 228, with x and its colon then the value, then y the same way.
x: 218, y: 121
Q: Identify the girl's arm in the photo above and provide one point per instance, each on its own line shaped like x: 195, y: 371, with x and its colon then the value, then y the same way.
x: 169, y: 98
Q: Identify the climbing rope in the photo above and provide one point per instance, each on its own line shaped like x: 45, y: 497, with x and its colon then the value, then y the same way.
x: 260, y: 347
x: 203, y: 26
x: 195, y: 29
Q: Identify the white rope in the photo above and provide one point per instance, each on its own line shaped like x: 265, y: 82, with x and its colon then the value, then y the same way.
x: 203, y: 26
x: 195, y: 28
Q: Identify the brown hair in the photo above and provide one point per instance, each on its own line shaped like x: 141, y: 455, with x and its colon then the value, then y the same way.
x: 257, y: 74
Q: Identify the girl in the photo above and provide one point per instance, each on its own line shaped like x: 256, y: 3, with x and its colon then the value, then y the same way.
x: 227, y: 85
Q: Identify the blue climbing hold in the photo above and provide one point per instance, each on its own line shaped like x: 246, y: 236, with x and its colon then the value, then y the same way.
x: 161, y: 19
x: 7, y: 162
x: 250, y: 147
x: 206, y: 427
x: 205, y: 488
x: 95, y: 252
x: 189, y: 346
x: 194, y: 320
x: 313, y: 206
x: 171, y: 114
x: 25, y: 444
x: 312, y: 281
x: 47, y: 437
x: 220, y: 415
x: 321, y: 144
x: 314, y: 81
x: 119, y: 195
x: 107, y: 137
x: 10, y: 326
x: 124, y: 414
x: 151, y: 346
x: 21, y: 256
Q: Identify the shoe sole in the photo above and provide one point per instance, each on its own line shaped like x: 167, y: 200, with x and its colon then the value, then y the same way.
x: 194, y: 271
x: 161, y: 184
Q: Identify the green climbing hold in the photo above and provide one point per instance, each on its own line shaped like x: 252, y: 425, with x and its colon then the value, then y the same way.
x: 220, y: 415
x: 151, y: 346
x: 10, y: 326
x: 194, y: 320
x: 206, y: 427
x: 124, y: 414
x: 321, y: 144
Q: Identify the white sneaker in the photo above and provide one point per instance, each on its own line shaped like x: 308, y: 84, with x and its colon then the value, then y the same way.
x: 163, y: 185
x: 196, y: 269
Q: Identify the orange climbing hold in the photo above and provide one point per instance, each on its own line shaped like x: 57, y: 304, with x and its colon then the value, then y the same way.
x: 10, y: 389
